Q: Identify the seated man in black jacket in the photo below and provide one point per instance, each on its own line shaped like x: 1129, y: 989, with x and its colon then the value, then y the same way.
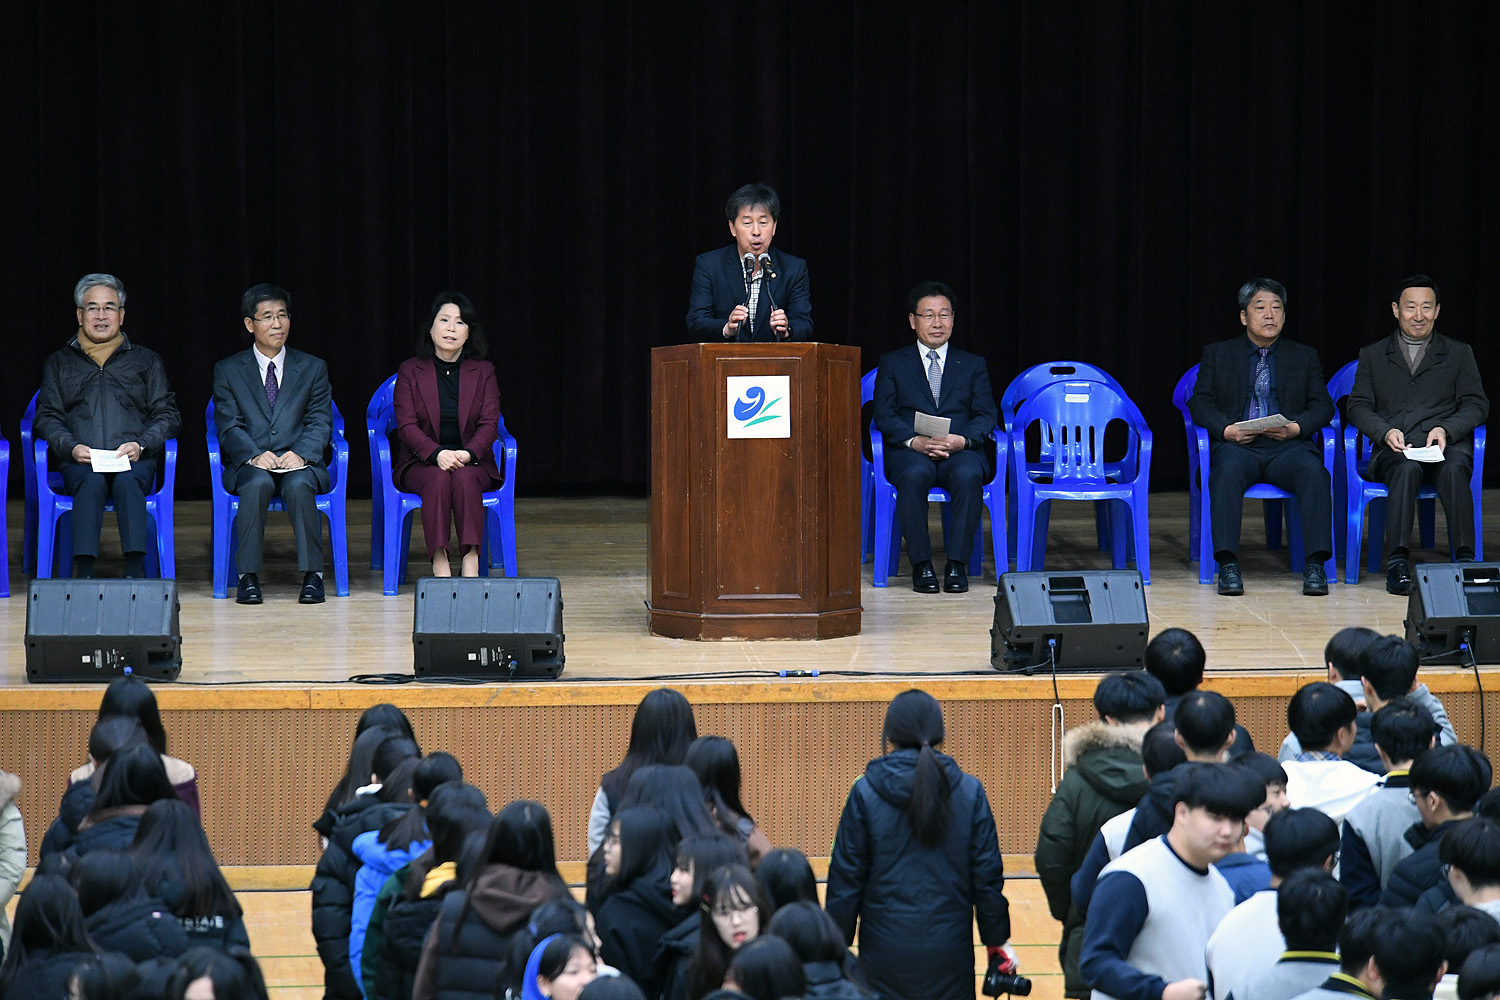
x: 101, y: 393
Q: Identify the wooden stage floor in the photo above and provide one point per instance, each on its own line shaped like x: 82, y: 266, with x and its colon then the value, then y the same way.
x: 597, y: 547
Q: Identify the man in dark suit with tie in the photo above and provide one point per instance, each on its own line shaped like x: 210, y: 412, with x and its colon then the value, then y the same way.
x: 749, y: 292
x: 1259, y: 375
x: 942, y: 381
x: 1417, y: 388
x: 273, y: 408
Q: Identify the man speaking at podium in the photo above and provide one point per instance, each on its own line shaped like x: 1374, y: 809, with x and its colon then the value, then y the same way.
x: 748, y: 292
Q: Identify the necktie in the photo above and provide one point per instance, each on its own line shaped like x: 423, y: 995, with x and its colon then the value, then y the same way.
x: 1260, y: 401
x: 271, y: 386
x: 934, y: 375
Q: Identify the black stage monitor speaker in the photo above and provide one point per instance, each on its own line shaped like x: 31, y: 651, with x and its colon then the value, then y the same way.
x: 496, y: 629
x: 97, y: 630
x: 1094, y: 620
x: 1452, y: 604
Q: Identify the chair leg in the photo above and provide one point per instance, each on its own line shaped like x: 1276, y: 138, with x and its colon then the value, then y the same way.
x: 338, y: 541
x: 508, y: 535
x: 45, y: 536
x: 1376, y: 545
x: 166, y: 541
x: 393, y: 559
x: 1140, y: 521
x: 1121, y: 541
x: 1102, y: 526
x: 1427, y: 519
x: 1027, y: 522
x: 887, y: 542
x: 1354, y: 529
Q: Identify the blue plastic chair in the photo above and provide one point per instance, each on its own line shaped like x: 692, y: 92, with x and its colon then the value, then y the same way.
x: 1359, y: 493
x: 1276, y: 503
x: 1074, y: 415
x: 394, y: 507
x: 46, y: 504
x: 888, y: 530
x: 1022, y: 386
x: 866, y: 478
x: 332, y: 504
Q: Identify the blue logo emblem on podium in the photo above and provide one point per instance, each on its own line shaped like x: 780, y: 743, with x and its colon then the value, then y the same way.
x: 752, y: 403
x: 758, y: 406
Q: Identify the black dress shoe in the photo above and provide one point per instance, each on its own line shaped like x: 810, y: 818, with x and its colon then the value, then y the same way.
x: 1230, y: 583
x: 312, y: 589
x: 1314, y: 580
x: 923, y: 579
x: 955, y: 578
x: 248, y: 591
x: 1398, y: 577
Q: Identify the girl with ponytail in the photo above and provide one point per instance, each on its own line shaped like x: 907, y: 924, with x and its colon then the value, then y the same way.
x: 916, y: 862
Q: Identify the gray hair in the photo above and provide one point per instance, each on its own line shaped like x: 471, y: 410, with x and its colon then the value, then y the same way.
x: 94, y: 281
x: 1248, y: 291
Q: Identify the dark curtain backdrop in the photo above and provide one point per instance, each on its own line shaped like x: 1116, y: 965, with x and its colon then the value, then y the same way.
x: 1095, y: 179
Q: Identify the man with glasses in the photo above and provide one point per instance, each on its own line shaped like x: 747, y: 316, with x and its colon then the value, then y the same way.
x: 936, y: 380
x: 105, y: 410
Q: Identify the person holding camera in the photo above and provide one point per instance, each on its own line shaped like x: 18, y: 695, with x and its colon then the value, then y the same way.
x: 916, y: 863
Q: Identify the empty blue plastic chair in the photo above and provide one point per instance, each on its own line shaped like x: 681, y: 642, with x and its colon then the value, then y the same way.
x: 394, y: 507
x: 46, y: 507
x: 1074, y: 416
x: 1277, y: 503
x: 888, y: 530
x: 1359, y: 493
x: 332, y: 504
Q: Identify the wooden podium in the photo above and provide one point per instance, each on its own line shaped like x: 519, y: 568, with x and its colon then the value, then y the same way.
x: 755, y: 491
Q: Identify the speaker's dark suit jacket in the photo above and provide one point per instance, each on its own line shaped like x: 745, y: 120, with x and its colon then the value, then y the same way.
x: 719, y: 286
x: 301, y: 422
x: 1445, y: 392
x: 1223, y: 390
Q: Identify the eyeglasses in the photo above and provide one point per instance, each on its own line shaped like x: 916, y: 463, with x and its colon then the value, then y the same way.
x: 726, y: 912
x: 269, y: 317
x: 94, y: 309
x: 929, y: 316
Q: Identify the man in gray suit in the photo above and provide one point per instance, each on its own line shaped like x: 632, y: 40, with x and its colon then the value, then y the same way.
x: 1417, y: 388
x: 273, y: 408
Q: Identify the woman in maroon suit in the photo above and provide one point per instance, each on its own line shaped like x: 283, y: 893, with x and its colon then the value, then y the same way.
x: 447, y: 418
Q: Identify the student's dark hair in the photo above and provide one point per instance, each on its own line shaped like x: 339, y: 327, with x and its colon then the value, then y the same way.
x: 427, y: 774
x: 1175, y: 657
x: 133, y: 776
x: 1488, y: 805
x: 1317, y: 712
x: 455, y: 811
x: 386, y: 716
x: 929, y: 289
x: 750, y: 195
x: 1403, y: 729
x: 612, y: 988
x: 1389, y: 663
x: 914, y: 721
x: 1159, y: 750
x: 555, y: 954
x: 390, y: 752
x: 1357, y: 939
x: 660, y: 732
x: 1459, y: 774
x: 1222, y: 789
x: 263, y: 292
x: 1204, y: 720
x: 361, y: 764
x: 1129, y: 696
x: 1310, y: 907
x: 475, y: 347
x: 48, y: 920
x: 786, y: 876
x: 1479, y: 977
x: 1266, y: 767
x: 106, y: 976
x: 1409, y: 952
x: 1465, y: 930
x: 234, y: 973
x: 723, y: 888
x: 132, y: 697
x: 1299, y: 838
x: 705, y: 855
x: 767, y: 969
x: 812, y: 933
x: 716, y: 763
x: 556, y: 916
x: 1343, y: 650
x: 645, y: 844
x: 114, y: 732
x: 519, y: 837
x: 1416, y: 281
x: 674, y: 791
x: 1473, y: 847
x: 171, y: 848
x: 1255, y: 286
x: 99, y: 878
x: 396, y: 786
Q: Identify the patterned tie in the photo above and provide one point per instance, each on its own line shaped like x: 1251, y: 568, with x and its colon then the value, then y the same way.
x: 1260, y: 401
x: 271, y: 386
x: 934, y: 376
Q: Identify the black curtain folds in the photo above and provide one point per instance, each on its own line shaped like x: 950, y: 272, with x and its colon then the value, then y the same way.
x: 1095, y: 179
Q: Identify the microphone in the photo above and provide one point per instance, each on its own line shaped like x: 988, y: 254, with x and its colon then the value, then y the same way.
x: 770, y: 272
x: 748, y: 263
x: 765, y: 261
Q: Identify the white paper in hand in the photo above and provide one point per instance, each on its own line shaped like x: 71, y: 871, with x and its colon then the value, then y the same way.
x: 927, y: 425
x: 107, y: 461
x: 1430, y: 454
